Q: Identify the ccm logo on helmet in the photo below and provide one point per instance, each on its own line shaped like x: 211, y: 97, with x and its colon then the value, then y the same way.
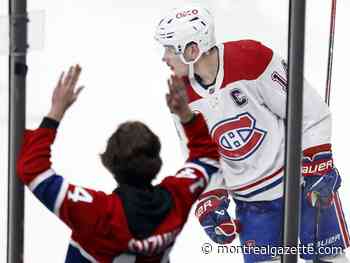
x: 187, y: 13
x: 238, y: 137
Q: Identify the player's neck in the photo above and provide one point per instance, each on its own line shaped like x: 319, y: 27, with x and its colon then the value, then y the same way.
x: 207, y: 66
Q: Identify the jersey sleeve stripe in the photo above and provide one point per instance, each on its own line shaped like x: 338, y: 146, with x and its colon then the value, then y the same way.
x: 263, y: 189
x: 199, y: 168
x: 211, y: 162
x: 60, y: 197
x: 258, y: 183
x: 82, y: 251
x: 206, y: 169
x: 48, y: 190
x: 40, y: 178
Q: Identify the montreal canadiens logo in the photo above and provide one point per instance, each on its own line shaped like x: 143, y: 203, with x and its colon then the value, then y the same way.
x: 238, y: 137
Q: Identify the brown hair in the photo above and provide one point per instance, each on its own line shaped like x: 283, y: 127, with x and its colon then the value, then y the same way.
x: 132, y: 154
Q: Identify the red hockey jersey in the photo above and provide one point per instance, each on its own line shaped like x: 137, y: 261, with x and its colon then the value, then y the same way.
x: 119, y: 227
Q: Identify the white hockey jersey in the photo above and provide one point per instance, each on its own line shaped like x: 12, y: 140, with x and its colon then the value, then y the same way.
x: 245, y: 110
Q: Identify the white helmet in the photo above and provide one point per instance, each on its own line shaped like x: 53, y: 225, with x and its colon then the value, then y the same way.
x: 182, y: 26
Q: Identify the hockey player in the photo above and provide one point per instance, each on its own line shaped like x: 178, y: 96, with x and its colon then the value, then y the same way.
x: 138, y: 222
x: 240, y: 88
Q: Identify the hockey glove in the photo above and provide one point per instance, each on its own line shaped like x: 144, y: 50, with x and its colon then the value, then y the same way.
x: 321, y: 178
x: 214, y: 218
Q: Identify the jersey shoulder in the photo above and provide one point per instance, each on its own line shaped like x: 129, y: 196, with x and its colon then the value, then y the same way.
x: 245, y: 60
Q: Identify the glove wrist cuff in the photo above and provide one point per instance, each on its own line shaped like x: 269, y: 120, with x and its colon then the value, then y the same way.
x: 317, y: 161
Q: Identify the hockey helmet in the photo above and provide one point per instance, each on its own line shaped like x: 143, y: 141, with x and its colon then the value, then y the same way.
x: 185, y: 25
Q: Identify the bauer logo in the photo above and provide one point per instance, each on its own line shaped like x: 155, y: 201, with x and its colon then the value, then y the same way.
x: 187, y: 13
x: 238, y: 138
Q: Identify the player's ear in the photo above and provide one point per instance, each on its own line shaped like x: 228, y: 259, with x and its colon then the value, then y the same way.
x: 191, y: 51
x: 195, y: 50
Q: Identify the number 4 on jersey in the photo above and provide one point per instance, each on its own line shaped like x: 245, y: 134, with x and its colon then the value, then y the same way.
x: 79, y: 194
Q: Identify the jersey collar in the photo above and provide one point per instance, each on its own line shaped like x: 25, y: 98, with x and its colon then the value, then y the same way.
x: 219, y: 78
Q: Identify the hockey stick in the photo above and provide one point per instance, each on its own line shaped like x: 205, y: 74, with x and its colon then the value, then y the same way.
x: 330, y: 52
x: 317, y: 232
x: 327, y: 100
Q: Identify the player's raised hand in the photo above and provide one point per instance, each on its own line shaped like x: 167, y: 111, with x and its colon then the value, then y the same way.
x: 177, y: 99
x: 65, y: 93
